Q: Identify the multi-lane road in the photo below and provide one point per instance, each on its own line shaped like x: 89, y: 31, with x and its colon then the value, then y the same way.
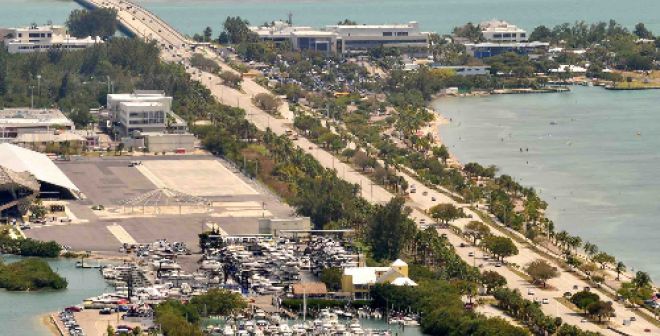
x: 176, y: 47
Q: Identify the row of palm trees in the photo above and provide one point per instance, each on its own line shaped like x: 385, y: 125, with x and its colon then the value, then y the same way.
x: 530, y: 314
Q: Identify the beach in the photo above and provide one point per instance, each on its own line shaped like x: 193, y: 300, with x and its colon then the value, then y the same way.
x: 585, y: 159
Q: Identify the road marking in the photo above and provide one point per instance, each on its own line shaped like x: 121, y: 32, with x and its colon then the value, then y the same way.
x: 121, y: 234
x: 244, y: 214
x: 248, y: 204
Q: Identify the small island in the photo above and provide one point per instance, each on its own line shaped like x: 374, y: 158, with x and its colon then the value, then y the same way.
x: 28, y: 275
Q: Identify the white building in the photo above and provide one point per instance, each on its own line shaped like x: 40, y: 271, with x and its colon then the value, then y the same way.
x: 354, y: 38
x: 144, y: 111
x: 145, y: 120
x: 43, y: 38
x: 301, y: 37
x: 17, y: 121
x: 502, y: 31
x: 345, y: 38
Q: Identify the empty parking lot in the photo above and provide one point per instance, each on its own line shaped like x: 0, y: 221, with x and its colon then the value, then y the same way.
x: 235, y: 202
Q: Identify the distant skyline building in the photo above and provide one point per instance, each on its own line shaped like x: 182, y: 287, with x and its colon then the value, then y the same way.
x: 43, y: 38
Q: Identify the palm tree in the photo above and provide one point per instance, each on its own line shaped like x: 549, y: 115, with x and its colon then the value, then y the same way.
x: 590, y: 249
x: 619, y: 268
x: 642, y: 279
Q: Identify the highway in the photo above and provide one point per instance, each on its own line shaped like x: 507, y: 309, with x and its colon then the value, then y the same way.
x: 176, y: 47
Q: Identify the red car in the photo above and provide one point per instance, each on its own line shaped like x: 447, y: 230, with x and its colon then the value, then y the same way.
x: 73, y: 309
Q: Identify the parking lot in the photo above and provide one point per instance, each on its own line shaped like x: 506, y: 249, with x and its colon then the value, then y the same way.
x: 110, y: 182
x: 195, y: 177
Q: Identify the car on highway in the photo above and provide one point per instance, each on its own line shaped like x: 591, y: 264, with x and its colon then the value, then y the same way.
x: 471, y: 254
x: 545, y: 301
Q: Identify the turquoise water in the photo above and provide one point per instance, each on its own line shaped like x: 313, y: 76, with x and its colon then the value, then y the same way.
x: 20, y: 312
x: 191, y: 16
x: 20, y: 13
x: 597, y: 174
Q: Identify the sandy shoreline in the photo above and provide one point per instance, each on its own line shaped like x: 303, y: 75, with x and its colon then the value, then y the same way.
x: 434, y: 128
x: 48, y: 324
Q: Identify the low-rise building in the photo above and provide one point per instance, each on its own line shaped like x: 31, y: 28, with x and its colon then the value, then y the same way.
x: 357, y: 38
x: 344, y: 38
x: 54, y: 142
x: 502, y: 31
x: 359, y: 280
x: 17, y: 121
x: 490, y: 49
x: 144, y: 111
x: 275, y: 226
x: 300, y: 37
x: 43, y: 38
x: 145, y: 120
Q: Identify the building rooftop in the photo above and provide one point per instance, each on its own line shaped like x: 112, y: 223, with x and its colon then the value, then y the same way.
x: 48, y: 137
x: 20, y: 159
x: 399, y: 263
x: 534, y: 44
x: 25, y: 179
x: 364, y: 275
x: 141, y: 103
x: 498, y: 25
x: 310, y: 288
x: 411, y: 24
x: 27, y: 116
x: 135, y: 96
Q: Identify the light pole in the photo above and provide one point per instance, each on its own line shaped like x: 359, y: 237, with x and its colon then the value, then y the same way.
x: 32, y: 97
x: 39, y: 86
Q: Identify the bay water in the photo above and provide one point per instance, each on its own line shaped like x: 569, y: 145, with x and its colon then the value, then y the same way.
x: 592, y: 154
x: 192, y: 16
x: 21, y: 312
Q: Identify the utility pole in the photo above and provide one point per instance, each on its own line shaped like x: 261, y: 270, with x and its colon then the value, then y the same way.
x: 32, y: 97
x: 39, y: 86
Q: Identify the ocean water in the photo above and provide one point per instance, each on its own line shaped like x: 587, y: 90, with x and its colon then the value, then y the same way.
x: 192, y: 16
x: 20, y: 311
x: 592, y: 154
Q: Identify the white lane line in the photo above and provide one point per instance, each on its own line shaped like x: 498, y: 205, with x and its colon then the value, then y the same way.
x: 121, y: 234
